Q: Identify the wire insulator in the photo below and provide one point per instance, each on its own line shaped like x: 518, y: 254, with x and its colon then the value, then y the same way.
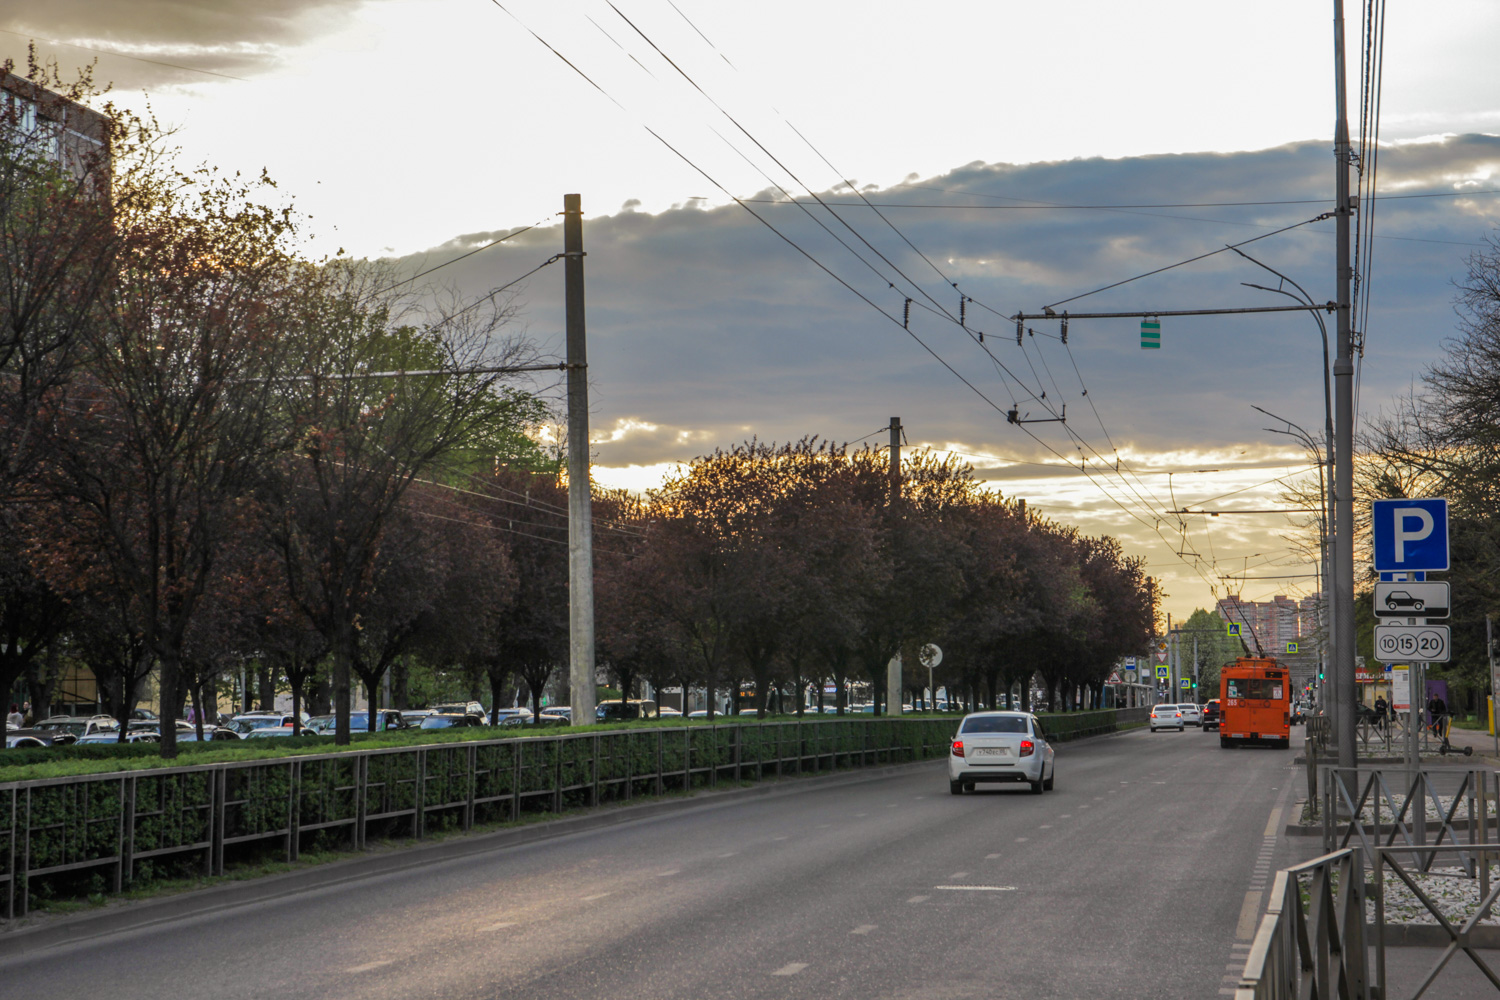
x: 963, y: 301
x: 906, y: 315
x: 1065, y: 328
x: 1020, y: 331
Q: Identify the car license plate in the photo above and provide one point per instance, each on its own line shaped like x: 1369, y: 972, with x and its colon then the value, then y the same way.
x: 992, y: 752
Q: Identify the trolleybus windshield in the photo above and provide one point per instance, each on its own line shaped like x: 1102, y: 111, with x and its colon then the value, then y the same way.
x: 1255, y: 688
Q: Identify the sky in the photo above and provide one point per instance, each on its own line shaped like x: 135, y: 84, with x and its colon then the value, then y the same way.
x: 1027, y: 153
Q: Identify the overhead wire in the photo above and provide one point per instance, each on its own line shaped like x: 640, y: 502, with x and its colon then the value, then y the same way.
x: 1153, y: 524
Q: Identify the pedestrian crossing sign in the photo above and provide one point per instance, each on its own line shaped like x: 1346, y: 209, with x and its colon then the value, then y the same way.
x: 1234, y: 629
x: 1162, y: 673
x: 1291, y: 648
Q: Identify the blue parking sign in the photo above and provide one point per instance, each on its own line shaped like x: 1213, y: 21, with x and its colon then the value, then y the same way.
x: 1410, y: 535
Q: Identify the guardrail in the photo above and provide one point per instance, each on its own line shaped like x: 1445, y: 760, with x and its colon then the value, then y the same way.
x: 1372, y: 809
x: 1311, y: 945
x: 114, y: 825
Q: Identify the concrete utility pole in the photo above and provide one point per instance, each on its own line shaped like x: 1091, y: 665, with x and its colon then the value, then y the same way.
x: 1343, y: 384
x: 581, y: 682
x: 893, y: 669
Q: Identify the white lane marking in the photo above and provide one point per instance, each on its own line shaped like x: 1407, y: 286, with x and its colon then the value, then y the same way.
x: 669, y: 871
x: 863, y: 929
x: 920, y: 796
x: 860, y: 815
x: 778, y: 838
x: 370, y: 965
x: 1019, y: 840
x: 730, y: 854
x: 597, y: 895
x: 1098, y: 798
x: 959, y: 875
x: 1045, y: 826
x: 1245, y: 929
x: 1273, y: 822
x: 823, y: 826
x: 919, y: 899
x: 992, y: 857
x: 1066, y: 816
x: 500, y: 926
x: 976, y: 888
x: 790, y: 969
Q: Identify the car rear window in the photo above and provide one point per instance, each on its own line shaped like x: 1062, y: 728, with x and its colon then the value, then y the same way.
x: 994, y: 724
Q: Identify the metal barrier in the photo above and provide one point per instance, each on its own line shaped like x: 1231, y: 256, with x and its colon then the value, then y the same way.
x: 116, y: 824
x: 1387, y: 857
x: 1312, y: 947
x: 1397, y: 801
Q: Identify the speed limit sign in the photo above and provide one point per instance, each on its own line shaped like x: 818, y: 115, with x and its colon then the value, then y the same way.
x: 1428, y: 643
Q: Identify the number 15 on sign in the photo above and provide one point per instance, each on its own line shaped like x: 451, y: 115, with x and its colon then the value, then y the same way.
x: 1412, y: 642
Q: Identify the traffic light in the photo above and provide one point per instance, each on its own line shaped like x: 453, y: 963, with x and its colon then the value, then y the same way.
x: 1320, y: 675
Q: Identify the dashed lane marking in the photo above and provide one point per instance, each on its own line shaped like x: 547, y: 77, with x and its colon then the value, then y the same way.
x: 919, y: 899
x: 729, y: 854
x: 790, y: 969
x: 778, y: 838
x: 976, y: 888
x: 370, y: 965
x: 1045, y: 826
x: 669, y: 871
x: 500, y: 926
x: 959, y: 875
x: 597, y: 895
x: 863, y: 929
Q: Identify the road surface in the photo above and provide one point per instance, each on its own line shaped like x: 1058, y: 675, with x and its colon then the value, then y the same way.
x: 1139, y: 875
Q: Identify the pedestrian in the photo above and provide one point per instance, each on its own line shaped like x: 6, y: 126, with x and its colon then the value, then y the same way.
x: 15, y: 720
x: 1436, y: 709
x: 1380, y: 709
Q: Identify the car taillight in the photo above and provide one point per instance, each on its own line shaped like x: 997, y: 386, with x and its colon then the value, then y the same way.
x: 958, y: 748
x: 1027, y: 748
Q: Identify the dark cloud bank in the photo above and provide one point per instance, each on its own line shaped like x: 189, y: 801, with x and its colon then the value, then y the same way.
x: 704, y: 321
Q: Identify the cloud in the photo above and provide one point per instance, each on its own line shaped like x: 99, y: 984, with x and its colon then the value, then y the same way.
x: 170, y: 38
x: 705, y: 327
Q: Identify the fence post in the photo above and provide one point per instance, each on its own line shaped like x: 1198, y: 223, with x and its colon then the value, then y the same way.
x: 361, y: 799
x: 419, y: 818
x: 473, y: 766
x: 218, y: 792
x: 515, y: 781
x: 10, y: 887
x: 127, y: 833
x: 557, y: 769
x: 658, y: 762
x: 23, y: 871
x: 294, y: 821
x: 594, y: 795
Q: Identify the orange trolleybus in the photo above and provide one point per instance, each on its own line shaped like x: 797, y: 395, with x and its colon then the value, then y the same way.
x: 1255, y: 702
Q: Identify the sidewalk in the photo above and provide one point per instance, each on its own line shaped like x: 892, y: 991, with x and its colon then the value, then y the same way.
x: 1405, y: 968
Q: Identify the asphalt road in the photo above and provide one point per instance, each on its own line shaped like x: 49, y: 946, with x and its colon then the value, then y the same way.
x: 1137, y: 876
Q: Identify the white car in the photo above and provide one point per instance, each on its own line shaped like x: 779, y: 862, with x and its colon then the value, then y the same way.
x: 1168, y: 717
x: 1000, y: 747
x: 1192, y: 715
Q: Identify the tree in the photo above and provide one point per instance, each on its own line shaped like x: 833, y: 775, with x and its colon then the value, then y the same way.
x: 364, y: 437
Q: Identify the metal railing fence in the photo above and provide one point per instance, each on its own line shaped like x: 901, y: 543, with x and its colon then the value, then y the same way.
x: 1378, y: 808
x: 1311, y: 940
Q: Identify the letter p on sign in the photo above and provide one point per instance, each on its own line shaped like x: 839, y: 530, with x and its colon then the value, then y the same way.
x: 1410, y: 535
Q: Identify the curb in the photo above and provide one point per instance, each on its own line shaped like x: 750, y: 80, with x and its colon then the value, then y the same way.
x: 1433, y: 936
x: 127, y: 916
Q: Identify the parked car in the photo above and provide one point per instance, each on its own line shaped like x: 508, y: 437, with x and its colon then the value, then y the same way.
x: 38, y: 737
x: 450, y: 720
x: 667, y: 713
x: 132, y: 735
x: 80, y: 727
x: 557, y: 715
x: 517, y: 716
x: 244, y: 725
x: 616, y: 710
x: 1166, y: 717
x: 1000, y: 747
x: 209, y: 733
x: 414, y: 716
x: 1211, y: 715
x: 461, y: 708
x: 1192, y: 715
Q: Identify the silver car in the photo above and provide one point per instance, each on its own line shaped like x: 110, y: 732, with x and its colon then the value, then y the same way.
x: 1000, y: 747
